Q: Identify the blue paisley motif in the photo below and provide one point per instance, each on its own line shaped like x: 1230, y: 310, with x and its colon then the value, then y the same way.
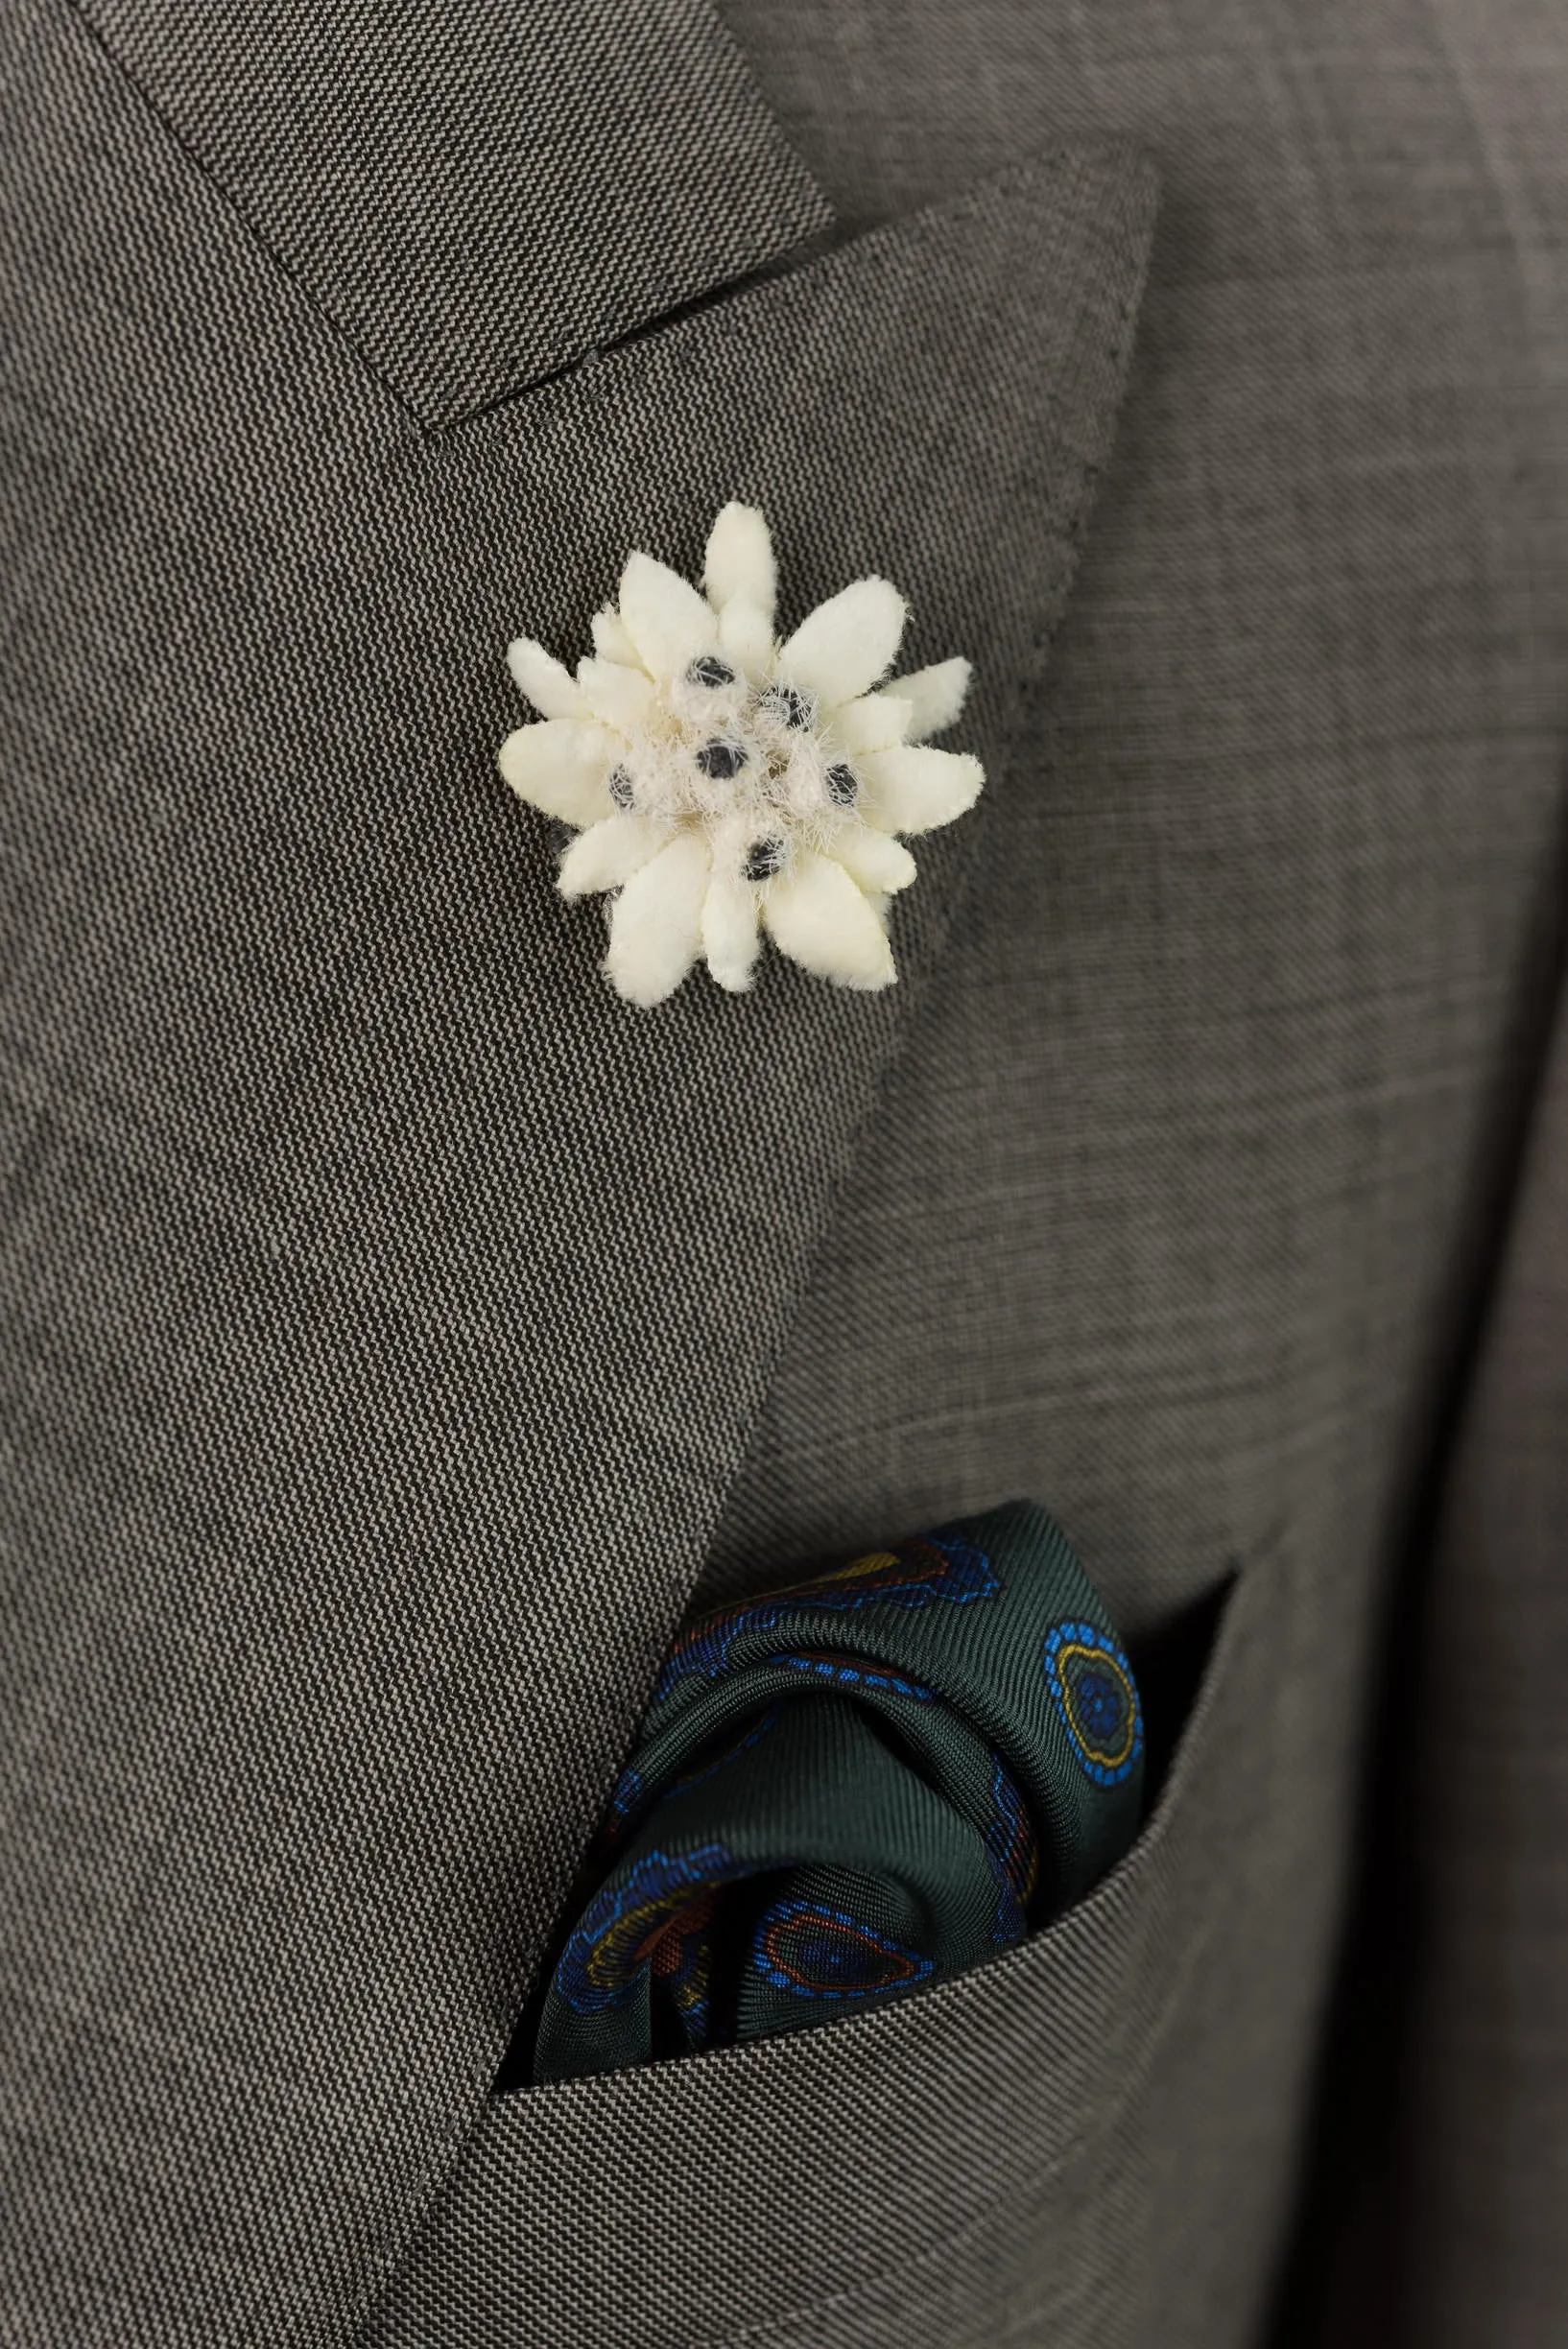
x: 1092, y: 1688
x: 932, y: 1567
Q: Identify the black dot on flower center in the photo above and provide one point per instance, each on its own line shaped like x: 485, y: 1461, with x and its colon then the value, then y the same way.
x: 711, y: 670
x: 789, y: 704
x: 718, y: 760
x: 763, y: 859
x: 621, y: 789
x: 842, y: 785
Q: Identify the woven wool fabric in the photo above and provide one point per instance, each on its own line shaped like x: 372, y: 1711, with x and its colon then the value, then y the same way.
x: 850, y: 1789
x: 1457, y: 2101
x: 383, y: 1300
x: 477, y: 194
x: 1255, y: 977
x: 383, y: 1323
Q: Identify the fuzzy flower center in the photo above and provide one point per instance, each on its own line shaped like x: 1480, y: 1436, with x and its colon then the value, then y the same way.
x: 750, y: 764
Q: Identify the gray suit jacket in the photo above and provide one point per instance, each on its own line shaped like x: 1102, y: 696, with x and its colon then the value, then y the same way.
x: 399, y: 1332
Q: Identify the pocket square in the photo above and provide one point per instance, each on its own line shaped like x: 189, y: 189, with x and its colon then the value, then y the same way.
x: 849, y: 1789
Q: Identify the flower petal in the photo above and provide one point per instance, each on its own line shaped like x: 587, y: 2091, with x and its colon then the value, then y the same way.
x: 740, y: 561
x: 549, y: 686
x: 874, y: 861
x: 607, y: 855
x: 876, y: 722
x: 819, y: 917
x: 655, y: 923
x: 559, y: 767
x: 745, y: 632
x: 612, y: 638
x: 619, y: 696
x: 730, y: 935
x: 841, y: 647
x: 916, y: 790
x: 936, y: 695
x: 668, y: 621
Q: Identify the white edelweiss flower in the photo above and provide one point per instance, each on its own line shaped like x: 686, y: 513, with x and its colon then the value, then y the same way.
x: 723, y: 783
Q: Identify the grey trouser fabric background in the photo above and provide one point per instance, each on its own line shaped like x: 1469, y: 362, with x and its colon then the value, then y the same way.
x: 397, y: 1332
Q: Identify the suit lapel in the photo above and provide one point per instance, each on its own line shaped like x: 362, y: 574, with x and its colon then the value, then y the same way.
x: 485, y: 192
x: 934, y: 403
x: 422, y: 1292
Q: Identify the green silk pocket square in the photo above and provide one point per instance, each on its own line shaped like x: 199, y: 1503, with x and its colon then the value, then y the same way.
x: 851, y: 1787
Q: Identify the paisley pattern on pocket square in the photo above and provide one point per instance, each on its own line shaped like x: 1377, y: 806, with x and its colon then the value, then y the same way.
x: 849, y: 1789
x: 924, y: 1570
x: 1088, y: 1677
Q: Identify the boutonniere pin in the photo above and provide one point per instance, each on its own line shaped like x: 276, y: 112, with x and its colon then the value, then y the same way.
x: 723, y: 784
